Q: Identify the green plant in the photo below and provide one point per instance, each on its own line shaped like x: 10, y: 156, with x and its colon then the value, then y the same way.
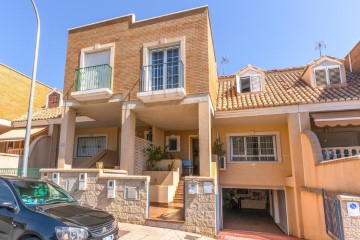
x: 217, y: 148
x: 171, y: 165
x: 155, y: 153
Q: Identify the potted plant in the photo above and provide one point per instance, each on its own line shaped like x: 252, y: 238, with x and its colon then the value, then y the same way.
x: 155, y: 153
x: 171, y: 166
x: 217, y: 148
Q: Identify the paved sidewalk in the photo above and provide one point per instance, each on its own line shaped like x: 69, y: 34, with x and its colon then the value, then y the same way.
x: 138, y: 232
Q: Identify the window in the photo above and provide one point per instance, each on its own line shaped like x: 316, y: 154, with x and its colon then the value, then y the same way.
x: 5, y: 193
x: 260, y: 148
x: 97, y: 58
x: 54, y: 100
x: 248, y: 84
x: 164, y: 72
x: 327, y: 75
x: 89, y: 146
x: 173, y: 143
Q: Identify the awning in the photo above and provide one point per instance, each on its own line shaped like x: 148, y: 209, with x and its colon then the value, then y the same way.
x: 332, y: 119
x: 18, y: 134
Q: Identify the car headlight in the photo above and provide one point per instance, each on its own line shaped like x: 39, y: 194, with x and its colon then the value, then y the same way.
x: 71, y: 233
x: 114, y: 224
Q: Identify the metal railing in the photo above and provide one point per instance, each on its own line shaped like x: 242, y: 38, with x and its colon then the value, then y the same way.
x: 31, y: 172
x: 17, y: 151
x: 332, y: 213
x: 93, y: 77
x: 340, y: 152
x: 162, y: 76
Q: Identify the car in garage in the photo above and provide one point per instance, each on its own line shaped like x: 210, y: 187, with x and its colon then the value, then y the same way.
x: 34, y: 209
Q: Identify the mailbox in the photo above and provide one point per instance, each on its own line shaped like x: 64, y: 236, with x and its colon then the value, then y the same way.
x: 56, y: 178
x: 82, y: 181
x: 111, y: 189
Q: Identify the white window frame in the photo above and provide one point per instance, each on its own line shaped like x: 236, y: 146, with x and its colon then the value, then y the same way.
x: 277, y: 149
x: 164, y: 43
x: 326, y: 68
x: 238, y: 82
x: 100, y: 48
x: 164, y: 50
x: 177, y: 137
x: 88, y: 135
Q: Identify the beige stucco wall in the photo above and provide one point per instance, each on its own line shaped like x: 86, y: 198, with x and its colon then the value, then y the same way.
x: 250, y: 174
x: 313, y: 215
x: 184, y: 142
x: 322, y: 174
x: 111, y: 133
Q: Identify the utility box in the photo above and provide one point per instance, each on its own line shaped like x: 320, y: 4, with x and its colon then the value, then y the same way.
x: 111, y: 189
x: 55, y: 178
x: 82, y: 181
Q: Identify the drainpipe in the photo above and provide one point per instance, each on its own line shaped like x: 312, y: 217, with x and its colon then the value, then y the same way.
x: 31, y: 100
x: 350, y: 63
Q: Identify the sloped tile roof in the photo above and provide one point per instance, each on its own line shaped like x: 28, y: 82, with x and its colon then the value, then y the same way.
x: 42, y: 114
x: 284, y: 87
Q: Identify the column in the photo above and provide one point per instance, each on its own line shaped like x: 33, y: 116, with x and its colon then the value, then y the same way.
x: 67, y: 138
x: 128, y: 125
x: 296, y: 124
x: 54, y: 131
x: 205, y: 138
x: 158, y: 137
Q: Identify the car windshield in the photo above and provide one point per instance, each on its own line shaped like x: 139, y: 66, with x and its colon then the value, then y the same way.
x: 40, y: 193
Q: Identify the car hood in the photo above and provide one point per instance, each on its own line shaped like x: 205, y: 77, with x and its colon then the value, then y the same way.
x: 74, y: 214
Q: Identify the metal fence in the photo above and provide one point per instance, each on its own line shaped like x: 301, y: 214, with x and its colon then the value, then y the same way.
x: 333, y: 219
x: 32, y: 172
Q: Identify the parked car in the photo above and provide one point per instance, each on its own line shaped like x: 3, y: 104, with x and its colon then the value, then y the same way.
x: 33, y: 209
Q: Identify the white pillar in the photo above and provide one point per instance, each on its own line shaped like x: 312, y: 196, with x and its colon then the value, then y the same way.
x: 128, y: 140
x: 67, y: 138
x: 205, y: 138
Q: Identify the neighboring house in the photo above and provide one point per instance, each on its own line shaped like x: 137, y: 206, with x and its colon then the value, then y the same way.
x: 157, y: 79
x: 15, y: 92
x: 352, y: 59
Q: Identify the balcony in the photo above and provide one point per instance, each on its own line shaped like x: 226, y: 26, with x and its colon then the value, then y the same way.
x: 162, y: 82
x: 340, y: 152
x: 93, y: 83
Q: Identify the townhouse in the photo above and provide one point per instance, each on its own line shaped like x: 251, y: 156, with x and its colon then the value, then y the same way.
x: 286, y: 133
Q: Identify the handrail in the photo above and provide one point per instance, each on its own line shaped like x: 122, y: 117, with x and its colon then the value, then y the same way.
x: 340, y: 152
x: 162, y: 76
x: 93, y: 77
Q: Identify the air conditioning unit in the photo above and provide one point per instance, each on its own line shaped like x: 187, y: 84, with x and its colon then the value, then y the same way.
x: 222, y: 163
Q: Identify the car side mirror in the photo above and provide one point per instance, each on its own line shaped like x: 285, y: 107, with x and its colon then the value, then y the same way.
x: 8, y: 205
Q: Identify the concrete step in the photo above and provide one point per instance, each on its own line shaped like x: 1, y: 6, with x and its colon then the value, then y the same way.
x: 178, y: 200
x: 171, y: 224
x: 179, y: 195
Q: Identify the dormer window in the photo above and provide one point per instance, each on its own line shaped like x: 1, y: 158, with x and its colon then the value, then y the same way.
x: 54, y: 98
x: 327, y: 75
x: 251, y: 83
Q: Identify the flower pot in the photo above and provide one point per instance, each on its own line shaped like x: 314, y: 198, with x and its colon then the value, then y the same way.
x: 99, y: 165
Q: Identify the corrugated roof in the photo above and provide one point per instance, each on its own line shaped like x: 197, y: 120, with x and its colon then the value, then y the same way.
x: 42, y: 114
x: 284, y: 87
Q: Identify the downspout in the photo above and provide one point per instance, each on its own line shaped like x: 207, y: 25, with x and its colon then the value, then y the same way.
x: 350, y: 63
x: 300, y: 129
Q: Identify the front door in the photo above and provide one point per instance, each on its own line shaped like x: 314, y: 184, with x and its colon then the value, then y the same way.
x: 195, y: 157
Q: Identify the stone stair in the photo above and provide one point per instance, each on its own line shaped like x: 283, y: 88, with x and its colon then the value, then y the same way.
x: 179, y: 194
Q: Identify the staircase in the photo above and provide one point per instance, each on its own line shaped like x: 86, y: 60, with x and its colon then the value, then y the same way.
x: 179, y: 195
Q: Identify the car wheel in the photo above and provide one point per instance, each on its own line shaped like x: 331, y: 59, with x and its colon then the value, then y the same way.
x: 30, y: 238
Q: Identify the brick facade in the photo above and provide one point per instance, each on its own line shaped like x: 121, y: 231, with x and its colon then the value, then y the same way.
x: 129, y: 37
x: 355, y: 59
x: 15, y: 90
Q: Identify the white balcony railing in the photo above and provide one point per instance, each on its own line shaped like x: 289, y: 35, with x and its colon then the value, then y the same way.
x: 340, y: 152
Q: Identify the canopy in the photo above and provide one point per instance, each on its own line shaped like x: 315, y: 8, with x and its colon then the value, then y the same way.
x: 332, y: 119
x: 18, y: 134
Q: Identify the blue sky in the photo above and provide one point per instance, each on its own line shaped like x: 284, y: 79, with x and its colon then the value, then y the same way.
x: 265, y: 33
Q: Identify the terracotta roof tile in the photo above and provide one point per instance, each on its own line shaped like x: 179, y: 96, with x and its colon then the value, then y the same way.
x: 42, y: 114
x: 284, y: 87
